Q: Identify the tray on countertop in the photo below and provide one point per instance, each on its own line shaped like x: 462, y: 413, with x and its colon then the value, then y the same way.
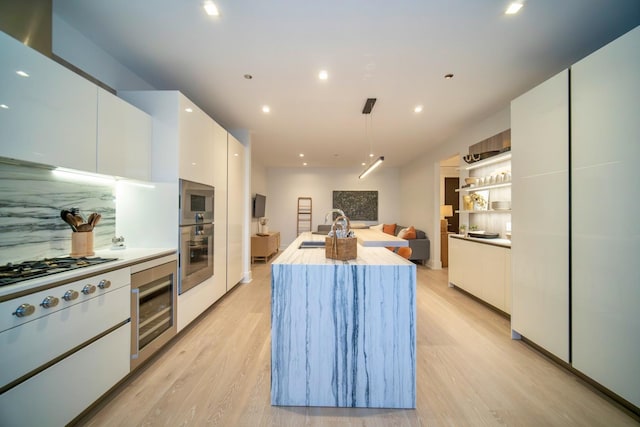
x: 483, y: 235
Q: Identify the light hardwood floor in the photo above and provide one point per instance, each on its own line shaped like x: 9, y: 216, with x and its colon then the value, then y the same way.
x: 469, y: 373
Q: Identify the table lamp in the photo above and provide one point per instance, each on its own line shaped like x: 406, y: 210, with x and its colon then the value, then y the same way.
x: 445, y: 211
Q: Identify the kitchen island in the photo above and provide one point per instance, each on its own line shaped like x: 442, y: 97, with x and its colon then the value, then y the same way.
x: 343, y: 333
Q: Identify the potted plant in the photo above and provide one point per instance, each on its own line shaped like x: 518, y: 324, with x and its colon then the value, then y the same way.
x: 463, y: 229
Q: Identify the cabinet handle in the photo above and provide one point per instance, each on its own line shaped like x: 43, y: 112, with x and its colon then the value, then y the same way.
x: 135, y: 301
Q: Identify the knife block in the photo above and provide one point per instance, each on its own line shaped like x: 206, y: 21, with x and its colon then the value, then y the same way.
x: 82, y: 244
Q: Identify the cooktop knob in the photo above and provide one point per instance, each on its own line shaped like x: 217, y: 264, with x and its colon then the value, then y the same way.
x: 49, y: 302
x: 24, y: 310
x: 70, y: 295
x: 104, y: 284
x: 88, y: 289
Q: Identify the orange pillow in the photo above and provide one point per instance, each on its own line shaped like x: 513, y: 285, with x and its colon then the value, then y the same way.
x: 389, y: 229
x: 410, y: 233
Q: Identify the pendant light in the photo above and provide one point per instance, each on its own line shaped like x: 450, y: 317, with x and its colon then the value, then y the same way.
x: 368, y: 107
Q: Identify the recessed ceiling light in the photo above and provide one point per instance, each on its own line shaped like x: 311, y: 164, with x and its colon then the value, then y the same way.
x: 211, y: 8
x: 370, y: 154
x: 301, y: 154
x: 266, y: 109
x: 4, y: 106
x: 304, y: 164
x: 22, y: 73
x: 417, y: 109
x: 513, y: 8
x: 363, y: 163
x: 323, y: 75
x: 448, y: 76
x: 248, y: 76
x: 189, y: 110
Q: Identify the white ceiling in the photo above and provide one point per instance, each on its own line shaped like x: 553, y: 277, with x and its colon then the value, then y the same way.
x: 395, y: 50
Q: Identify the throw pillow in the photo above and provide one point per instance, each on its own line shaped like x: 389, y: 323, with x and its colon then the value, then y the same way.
x: 377, y: 227
x: 402, y: 233
x: 410, y: 234
x: 389, y: 229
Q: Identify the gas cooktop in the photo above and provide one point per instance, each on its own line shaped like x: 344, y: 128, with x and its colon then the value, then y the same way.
x: 13, y: 273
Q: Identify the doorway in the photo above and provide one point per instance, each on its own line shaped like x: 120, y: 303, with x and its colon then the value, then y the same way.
x: 451, y: 198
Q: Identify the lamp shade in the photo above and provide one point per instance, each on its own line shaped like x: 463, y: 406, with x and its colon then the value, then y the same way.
x: 446, y: 211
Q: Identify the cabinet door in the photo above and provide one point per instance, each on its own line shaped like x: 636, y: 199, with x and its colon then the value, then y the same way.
x: 61, y: 392
x: 48, y: 117
x: 220, y: 183
x: 465, y: 266
x: 540, y: 218
x: 456, y: 261
x: 492, y: 259
x: 605, y: 148
x: 196, y: 143
x: 236, y: 211
x: 124, y: 138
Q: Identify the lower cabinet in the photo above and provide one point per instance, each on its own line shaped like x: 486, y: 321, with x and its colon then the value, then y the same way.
x: 61, y: 392
x: 264, y: 246
x: 483, y: 270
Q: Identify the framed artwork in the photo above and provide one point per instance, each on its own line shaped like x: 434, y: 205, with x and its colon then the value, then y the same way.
x: 357, y: 205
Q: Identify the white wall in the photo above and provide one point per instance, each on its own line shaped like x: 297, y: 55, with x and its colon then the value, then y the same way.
x: 74, y: 47
x: 287, y: 184
x: 420, y: 180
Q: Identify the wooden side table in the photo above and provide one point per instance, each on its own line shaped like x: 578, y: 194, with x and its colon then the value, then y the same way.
x: 263, y: 247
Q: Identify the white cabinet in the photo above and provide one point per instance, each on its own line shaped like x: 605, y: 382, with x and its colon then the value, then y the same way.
x: 220, y: 210
x: 124, y: 138
x: 48, y: 117
x: 540, y: 223
x: 605, y: 148
x: 196, y: 143
x: 235, y: 208
x: 61, y: 392
x: 482, y: 270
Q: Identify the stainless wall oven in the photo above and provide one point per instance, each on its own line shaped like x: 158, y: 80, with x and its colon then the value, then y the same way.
x: 196, y: 233
x: 153, y: 310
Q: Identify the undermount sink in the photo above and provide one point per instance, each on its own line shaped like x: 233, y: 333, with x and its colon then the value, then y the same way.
x: 311, y: 244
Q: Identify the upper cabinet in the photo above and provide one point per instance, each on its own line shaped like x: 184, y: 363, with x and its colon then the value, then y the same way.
x: 196, y: 130
x: 47, y: 113
x: 124, y: 138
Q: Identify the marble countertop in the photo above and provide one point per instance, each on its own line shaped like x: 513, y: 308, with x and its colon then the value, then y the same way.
x: 505, y: 243
x: 316, y: 256
x: 125, y: 258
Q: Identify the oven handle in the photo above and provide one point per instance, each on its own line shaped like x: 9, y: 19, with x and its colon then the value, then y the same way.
x: 135, y: 323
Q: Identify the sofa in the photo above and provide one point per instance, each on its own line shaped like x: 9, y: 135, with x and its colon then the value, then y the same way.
x: 420, y: 246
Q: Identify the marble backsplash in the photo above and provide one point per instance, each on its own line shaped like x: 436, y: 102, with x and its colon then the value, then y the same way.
x: 31, y: 199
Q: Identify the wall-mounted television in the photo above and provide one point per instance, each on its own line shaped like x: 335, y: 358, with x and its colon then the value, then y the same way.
x: 259, y: 205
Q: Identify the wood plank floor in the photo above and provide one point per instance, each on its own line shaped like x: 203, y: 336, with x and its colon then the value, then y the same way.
x: 469, y: 373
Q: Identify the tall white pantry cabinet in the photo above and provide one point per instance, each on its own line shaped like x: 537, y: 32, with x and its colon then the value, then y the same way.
x: 605, y: 201
x: 576, y: 238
